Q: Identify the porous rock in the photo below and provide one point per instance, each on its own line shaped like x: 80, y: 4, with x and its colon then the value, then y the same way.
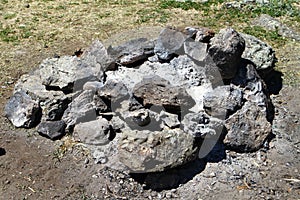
x: 247, y: 129
x: 146, y: 151
x: 67, y: 73
x: 260, y: 53
x: 225, y: 51
x: 158, y: 91
x: 221, y: 100
x: 201, y: 125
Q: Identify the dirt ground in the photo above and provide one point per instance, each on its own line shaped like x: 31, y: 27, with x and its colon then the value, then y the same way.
x: 33, y: 167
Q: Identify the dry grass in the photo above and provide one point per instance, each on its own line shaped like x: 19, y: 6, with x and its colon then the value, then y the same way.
x: 31, y: 31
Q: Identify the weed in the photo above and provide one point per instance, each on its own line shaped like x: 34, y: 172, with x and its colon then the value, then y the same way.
x: 7, y: 34
x: 9, y: 15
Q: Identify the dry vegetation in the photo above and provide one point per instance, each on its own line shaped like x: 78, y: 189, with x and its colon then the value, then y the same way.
x: 31, y: 31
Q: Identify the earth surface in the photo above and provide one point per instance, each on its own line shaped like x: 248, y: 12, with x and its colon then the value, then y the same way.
x: 33, y: 167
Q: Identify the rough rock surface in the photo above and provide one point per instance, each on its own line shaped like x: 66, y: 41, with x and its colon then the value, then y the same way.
x: 272, y: 24
x: 22, y: 111
x: 225, y: 51
x: 260, y: 53
x: 52, y: 129
x: 168, y: 43
x: 81, y: 109
x: 158, y: 91
x: 152, y: 105
x: 248, y: 128
x: 223, y: 100
x: 96, y: 132
x: 145, y: 151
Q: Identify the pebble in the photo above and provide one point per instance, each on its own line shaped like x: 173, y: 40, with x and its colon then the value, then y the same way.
x: 168, y: 195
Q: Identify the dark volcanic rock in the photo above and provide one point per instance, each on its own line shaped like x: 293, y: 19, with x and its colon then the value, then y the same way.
x: 133, y: 51
x: 22, y: 111
x: 52, y: 129
x: 247, y: 129
x: 225, y: 51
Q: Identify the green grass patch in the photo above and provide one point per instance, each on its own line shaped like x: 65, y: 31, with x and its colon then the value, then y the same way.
x: 7, y: 34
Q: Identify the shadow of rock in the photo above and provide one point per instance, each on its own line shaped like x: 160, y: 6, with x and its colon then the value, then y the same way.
x: 273, y: 80
x: 174, y: 177
x: 2, y: 151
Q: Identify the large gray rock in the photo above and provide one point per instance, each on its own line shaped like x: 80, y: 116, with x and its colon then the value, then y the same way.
x: 247, y: 129
x: 81, y: 109
x: 169, y: 42
x: 22, y: 111
x: 68, y: 73
x: 222, y: 100
x: 225, y: 52
x: 146, y: 151
x: 97, y: 132
x: 133, y: 51
x: 53, y: 103
x: 260, y: 53
x: 97, y: 55
x: 273, y: 24
x: 158, y: 91
x: 52, y: 129
x: 195, y: 50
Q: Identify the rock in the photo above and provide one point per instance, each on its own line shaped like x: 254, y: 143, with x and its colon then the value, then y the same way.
x: 168, y: 43
x: 92, y: 85
x: 260, y: 53
x: 22, y: 111
x: 53, y: 103
x: 201, y: 125
x: 68, y: 73
x: 247, y: 129
x: 133, y: 51
x: 81, y: 109
x: 146, y: 151
x: 204, y: 34
x: 97, y: 132
x: 225, y: 52
x: 169, y: 120
x: 254, y: 88
x: 272, y: 24
x: 52, y: 129
x: 195, y: 50
x: 157, y: 91
x: 222, y: 100
x: 113, y: 92
x: 99, y: 55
